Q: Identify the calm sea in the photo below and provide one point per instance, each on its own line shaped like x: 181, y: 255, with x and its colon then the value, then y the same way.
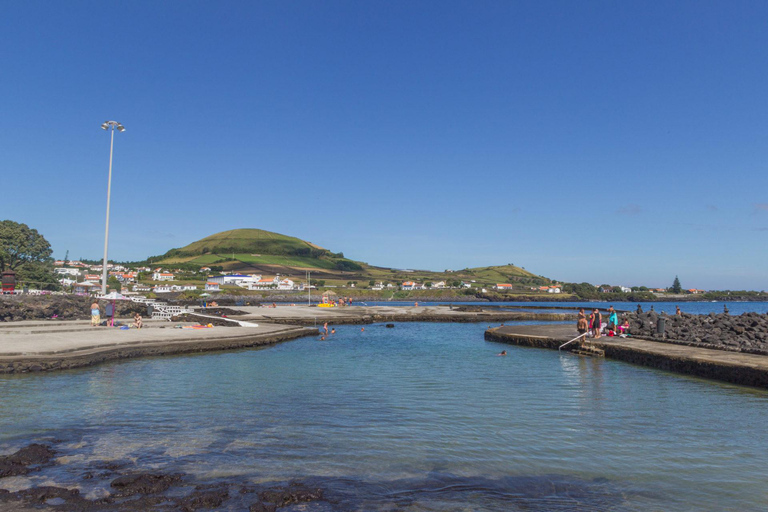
x: 421, y: 417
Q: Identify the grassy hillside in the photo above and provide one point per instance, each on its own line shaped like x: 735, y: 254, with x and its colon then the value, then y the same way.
x: 268, y: 253
x: 248, y: 241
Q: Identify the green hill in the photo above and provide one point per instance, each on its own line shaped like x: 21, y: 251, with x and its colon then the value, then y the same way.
x: 256, y: 247
x: 255, y: 241
x: 259, y: 251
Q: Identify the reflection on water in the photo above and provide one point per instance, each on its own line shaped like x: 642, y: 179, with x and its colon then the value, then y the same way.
x: 420, y: 417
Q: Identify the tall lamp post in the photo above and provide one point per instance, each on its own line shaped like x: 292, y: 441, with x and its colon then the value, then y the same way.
x: 106, y: 126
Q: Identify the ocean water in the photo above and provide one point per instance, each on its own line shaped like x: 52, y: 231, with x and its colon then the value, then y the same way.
x: 696, y: 308
x: 421, y: 417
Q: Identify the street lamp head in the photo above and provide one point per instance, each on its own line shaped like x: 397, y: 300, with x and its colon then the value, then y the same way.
x: 113, y: 124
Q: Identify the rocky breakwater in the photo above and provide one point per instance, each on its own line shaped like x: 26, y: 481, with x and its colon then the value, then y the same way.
x: 740, y: 333
x: 14, y: 308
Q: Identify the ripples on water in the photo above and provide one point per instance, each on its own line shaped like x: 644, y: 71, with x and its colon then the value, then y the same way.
x: 420, y: 417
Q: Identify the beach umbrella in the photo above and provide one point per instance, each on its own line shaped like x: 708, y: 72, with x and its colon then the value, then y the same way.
x: 114, y: 297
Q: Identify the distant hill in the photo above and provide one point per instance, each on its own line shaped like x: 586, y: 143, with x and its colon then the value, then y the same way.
x: 268, y: 253
x: 254, y: 249
x: 256, y: 241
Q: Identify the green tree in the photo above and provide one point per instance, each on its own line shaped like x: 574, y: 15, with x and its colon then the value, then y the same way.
x: 28, y: 253
x: 114, y: 284
x: 676, y: 288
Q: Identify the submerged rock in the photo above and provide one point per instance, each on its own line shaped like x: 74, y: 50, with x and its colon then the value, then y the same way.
x: 294, y: 493
x: 144, y: 483
x: 19, y: 463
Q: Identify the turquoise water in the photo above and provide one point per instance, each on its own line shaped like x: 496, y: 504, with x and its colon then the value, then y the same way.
x: 419, y: 417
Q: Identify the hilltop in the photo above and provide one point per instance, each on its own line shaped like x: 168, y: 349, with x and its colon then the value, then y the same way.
x: 269, y: 253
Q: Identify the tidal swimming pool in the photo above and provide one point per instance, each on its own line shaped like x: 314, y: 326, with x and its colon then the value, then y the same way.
x: 419, y: 417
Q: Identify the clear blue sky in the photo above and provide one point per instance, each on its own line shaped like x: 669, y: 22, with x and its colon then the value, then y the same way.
x: 610, y: 142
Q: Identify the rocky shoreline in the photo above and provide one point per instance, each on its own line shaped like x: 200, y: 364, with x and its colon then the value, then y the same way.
x: 746, y: 333
x: 130, y: 490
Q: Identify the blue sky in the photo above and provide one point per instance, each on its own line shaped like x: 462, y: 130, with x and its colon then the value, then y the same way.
x: 608, y: 142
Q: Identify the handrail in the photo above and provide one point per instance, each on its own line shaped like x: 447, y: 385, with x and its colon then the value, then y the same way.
x: 574, y: 339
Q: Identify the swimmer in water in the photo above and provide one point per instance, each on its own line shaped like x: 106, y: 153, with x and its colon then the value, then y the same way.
x: 502, y: 353
x: 333, y: 331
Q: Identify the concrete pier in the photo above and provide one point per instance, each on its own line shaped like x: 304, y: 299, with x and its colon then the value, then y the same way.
x: 45, y: 346
x: 733, y: 367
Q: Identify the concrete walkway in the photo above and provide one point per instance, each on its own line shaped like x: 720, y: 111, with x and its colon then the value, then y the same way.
x: 39, y: 346
x: 735, y: 367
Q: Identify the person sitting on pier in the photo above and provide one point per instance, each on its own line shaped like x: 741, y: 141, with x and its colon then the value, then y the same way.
x: 624, y: 328
x: 137, y: 322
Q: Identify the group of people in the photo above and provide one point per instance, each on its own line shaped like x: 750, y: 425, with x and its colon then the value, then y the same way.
x: 340, y: 302
x: 138, y: 322
x: 594, y: 327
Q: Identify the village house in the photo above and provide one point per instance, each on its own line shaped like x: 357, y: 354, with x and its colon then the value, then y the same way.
x: 466, y: 285
x: 162, y: 276
x: 141, y: 288
x: 285, y: 284
x: 94, y: 278
x: 162, y: 288
x: 235, y: 279
x: 553, y: 289
x: 503, y: 287
x: 265, y: 284
x: 377, y: 286
x: 65, y: 281
x: 439, y: 285
x: 410, y: 285
x: 183, y: 287
x: 67, y: 271
x: 212, y: 287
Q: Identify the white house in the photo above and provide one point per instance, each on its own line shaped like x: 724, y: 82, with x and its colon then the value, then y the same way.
x: 235, y: 279
x: 503, y: 287
x: 141, y: 288
x: 67, y: 271
x: 377, y: 286
x: 162, y: 276
x: 265, y: 284
x: 162, y: 288
x: 409, y: 285
x: 625, y: 289
x: 93, y: 278
x: 65, y: 281
x: 183, y: 287
x: 285, y: 284
x: 553, y: 289
x: 212, y: 287
x: 439, y: 284
x: 466, y: 285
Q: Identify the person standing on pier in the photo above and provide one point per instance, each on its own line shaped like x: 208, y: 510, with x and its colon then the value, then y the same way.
x: 582, y: 325
x: 595, y: 322
x: 95, y: 314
